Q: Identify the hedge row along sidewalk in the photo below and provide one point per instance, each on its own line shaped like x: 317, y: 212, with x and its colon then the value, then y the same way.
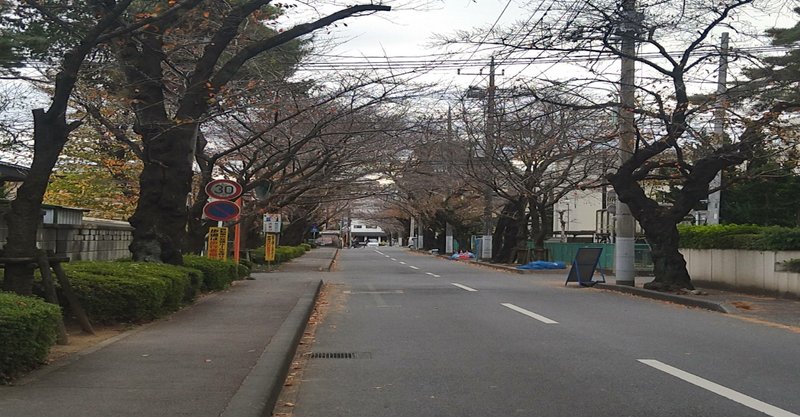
x: 110, y: 292
x: 28, y: 329
x: 739, y: 236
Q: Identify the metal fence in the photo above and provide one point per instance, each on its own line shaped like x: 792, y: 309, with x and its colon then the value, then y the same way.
x: 565, y: 252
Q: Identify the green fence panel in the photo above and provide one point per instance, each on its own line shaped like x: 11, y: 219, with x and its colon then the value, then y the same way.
x: 565, y: 252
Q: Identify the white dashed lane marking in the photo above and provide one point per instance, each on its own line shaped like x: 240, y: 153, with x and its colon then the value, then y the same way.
x: 726, y: 392
x: 463, y: 287
x: 530, y: 314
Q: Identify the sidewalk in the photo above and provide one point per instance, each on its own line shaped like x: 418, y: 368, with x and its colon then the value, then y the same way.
x: 226, y: 355
x: 761, y: 308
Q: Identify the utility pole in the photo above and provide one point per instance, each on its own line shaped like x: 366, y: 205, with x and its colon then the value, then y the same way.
x: 448, y: 228
x: 486, y: 247
x: 624, y: 246
x: 488, y: 153
x: 719, y: 124
x: 420, y: 235
x: 411, y: 232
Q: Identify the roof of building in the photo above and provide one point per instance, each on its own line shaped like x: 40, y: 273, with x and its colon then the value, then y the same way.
x: 12, y: 172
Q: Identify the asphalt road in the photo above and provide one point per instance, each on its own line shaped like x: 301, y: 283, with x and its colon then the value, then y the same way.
x: 432, y: 337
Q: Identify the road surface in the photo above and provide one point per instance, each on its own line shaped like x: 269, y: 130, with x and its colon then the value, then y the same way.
x: 414, y: 335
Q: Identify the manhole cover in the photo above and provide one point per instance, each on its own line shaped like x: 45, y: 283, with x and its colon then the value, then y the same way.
x: 339, y: 355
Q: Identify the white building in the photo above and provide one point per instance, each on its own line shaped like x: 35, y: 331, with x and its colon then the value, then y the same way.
x: 362, y: 231
x: 585, y: 215
x: 580, y: 213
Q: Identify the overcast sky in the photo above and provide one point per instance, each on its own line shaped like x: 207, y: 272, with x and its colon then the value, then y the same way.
x: 410, y: 31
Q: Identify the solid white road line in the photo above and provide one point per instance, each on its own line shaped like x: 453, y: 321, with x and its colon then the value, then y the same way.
x: 530, y: 314
x: 413, y: 267
x: 463, y: 287
x: 728, y: 393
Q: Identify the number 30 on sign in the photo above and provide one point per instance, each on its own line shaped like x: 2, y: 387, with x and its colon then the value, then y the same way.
x: 223, y: 189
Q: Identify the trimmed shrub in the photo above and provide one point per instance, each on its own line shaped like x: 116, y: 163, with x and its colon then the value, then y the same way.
x: 781, y: 238
x: 306, y: 246
x: 285, y: 253
x: 282, y: 253
x: 28, y: 328
x: 247, y: 266
x: 257, y: 256
x: 738, y: 236
x: 132, y: 291
x: 243, y: 270
x: 114, y: 299
x: 217, y: 275
x: 792, y: 265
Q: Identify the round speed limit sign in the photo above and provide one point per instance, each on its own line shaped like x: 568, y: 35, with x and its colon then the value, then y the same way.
x: 223, y: 189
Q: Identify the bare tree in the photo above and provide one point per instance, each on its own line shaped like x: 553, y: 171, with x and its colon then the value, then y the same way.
x: 425, y: 171
x: 539, y: 152
x: 677, y: 50
x: 169, y: 135
x: 313, y: 148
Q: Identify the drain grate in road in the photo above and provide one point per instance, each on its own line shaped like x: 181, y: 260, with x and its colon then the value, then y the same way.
x: 340, y: 355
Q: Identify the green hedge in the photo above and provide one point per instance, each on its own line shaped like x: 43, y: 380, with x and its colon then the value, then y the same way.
x: 285, y: 253
x: 738, y: 236
x: 28, y: 328
x: 128, y: 291
x: 282, y: 253
x: 217, y: 275
x: 131, y: 291
x: 792, y: 265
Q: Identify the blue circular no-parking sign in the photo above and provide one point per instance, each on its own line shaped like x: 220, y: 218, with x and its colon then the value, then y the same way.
x: 221, y: 210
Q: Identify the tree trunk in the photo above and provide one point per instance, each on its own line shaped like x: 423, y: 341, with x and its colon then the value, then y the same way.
x: 197, y: 228
x: 669, y: 266
x: 50, y: 136
x: 660, y: 228
x: 296, y: 233
x: 168, y: 145
x: 505, y: 238
x: 543, y: 227
x: 165, y: 183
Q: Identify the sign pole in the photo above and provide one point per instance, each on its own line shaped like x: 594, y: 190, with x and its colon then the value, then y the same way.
x: 237, y: 230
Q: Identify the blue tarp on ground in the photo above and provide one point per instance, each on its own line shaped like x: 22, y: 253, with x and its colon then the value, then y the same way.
x: 543, y: 265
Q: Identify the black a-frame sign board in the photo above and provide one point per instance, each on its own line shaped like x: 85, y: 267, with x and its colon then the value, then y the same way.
x: 583, y: 267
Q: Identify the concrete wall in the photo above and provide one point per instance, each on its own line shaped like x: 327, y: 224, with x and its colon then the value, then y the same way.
x: 94, y: 239
x: 744, y: 269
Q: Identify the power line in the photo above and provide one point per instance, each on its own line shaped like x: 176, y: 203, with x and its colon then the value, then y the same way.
x: 438, y: 62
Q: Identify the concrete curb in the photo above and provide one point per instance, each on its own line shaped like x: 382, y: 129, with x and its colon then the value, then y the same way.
x: 672, y: 298
x: 333, y: 260
x: 257, y: 395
